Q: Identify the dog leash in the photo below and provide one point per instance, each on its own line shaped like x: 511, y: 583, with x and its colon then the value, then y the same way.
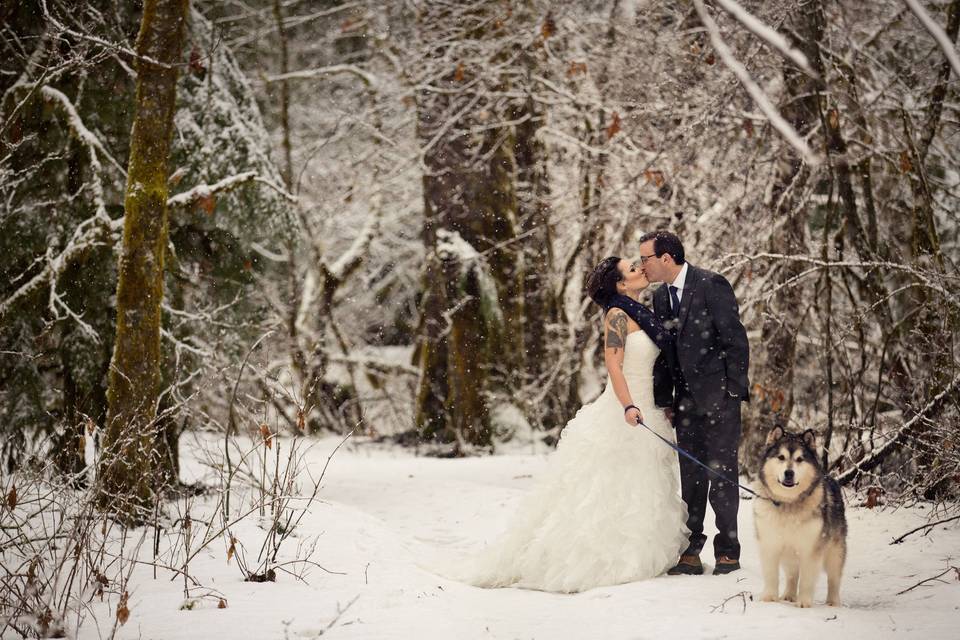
x: 714, y: 472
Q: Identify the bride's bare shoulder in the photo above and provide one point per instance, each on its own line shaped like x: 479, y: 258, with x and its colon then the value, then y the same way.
x: 615, y: 317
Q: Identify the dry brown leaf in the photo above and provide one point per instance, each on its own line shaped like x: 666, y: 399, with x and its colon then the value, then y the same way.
x: 266, y: 435
x: 221, y: 604
x: 12, y: 498
x: 301, y: 420
x: 232, y: 550
x: 614, y: 126
x: 208, y: 203
x: 458, y: 73
x: 196, y: 63
x: 833, y: 118
x: 905, y: 164
x: 777, y: 400
x: 575, y: 68
x: 549, y: 27
x: 123, y: 612
x: 710, y: 59
x: 654, y: 176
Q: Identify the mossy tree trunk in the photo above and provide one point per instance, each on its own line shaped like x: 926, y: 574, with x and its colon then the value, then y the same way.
x: 469, y: 191
x: 129, y: 466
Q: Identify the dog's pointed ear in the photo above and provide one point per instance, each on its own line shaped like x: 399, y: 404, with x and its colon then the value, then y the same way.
x: 810, y: 439
x: 775, y: 434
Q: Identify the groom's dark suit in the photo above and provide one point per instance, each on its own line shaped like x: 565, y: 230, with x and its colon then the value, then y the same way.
x: 708, y: 375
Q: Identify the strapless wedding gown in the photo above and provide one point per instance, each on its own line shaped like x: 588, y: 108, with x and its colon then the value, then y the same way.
x: 606, y: 509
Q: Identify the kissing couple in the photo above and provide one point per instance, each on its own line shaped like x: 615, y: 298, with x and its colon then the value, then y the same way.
x: 606, y: 510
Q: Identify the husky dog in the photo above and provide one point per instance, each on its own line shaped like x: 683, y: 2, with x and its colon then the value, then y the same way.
x: 801, y: 524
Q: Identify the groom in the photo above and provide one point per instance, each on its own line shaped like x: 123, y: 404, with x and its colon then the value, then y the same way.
x: 708, y: 375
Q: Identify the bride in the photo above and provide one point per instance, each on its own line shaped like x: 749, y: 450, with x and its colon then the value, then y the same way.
x: 607, y: 508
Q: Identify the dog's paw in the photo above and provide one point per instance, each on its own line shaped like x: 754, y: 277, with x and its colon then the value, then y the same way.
x: 789, y: 597
x: 766, y: 596
x: 833, y: 602
x: 805, y: 603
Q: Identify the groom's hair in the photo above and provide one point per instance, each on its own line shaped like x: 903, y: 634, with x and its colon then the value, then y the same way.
x: 665, y: 242
x: 602, y: 283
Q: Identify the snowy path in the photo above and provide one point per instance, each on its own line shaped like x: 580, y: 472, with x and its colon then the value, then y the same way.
x: 385, y: 513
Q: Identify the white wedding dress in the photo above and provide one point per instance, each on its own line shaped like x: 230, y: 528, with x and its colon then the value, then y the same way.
x: 606, y: 509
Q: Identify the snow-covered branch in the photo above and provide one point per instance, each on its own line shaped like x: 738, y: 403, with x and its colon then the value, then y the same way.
x: 877, y: 456
x: 943, y: 40
x: 759, y: 97
x: 767, y: 34
x: 353, y: 256
x: 90, y: 233
x: 101, y: 230
x: 77, y: 126
x: 202, y: 191
x: 368, y: 78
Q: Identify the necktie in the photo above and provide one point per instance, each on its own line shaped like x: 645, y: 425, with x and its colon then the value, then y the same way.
x: 675, y: 301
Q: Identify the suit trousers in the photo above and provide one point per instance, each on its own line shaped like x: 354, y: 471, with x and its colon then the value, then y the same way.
x: 713, y: 437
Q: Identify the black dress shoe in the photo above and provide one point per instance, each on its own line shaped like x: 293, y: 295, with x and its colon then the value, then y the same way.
x: 726, y: 565
x: 688, y: 566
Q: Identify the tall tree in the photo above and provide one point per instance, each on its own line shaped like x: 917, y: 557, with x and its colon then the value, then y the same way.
x: 782, y: 312
x: 127, y: 469
x: 469, y: 329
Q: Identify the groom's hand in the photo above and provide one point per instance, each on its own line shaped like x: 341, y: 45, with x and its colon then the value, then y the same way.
x: 632, y: 416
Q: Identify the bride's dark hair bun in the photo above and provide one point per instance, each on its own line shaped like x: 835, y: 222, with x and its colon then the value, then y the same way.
x: 602, y: 283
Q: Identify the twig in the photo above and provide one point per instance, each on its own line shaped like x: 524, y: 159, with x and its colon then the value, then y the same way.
x: 929, y: 525
x: 231, y: 425
x: 743, y: 595
x: 340, y: 613
x: 936, y: 577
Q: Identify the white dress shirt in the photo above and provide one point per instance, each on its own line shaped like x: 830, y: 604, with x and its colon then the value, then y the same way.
x: 678, y: 283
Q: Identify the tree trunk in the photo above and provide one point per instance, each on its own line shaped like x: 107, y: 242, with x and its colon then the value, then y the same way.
x: 775, y: 358
x: 287, y: 169
x: 467, y: 345
x: 128, y: 468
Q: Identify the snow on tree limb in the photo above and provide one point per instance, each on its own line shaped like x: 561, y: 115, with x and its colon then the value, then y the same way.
x: 943, y: 40
x: 877, y: 456
x: 755, y: 26
x: 90, y: 233
x: 352, y: 257
x: 368, y: 78
x: 79, y: 129
x: 759, y: 97
x: 101, y: 230
x: 921, y: 276
x: 206, y: 190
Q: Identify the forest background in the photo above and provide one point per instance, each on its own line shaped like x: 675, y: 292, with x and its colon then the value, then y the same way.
x: 377, y: 218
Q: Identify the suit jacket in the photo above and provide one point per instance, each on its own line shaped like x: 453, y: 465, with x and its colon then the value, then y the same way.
x: 712, y: 353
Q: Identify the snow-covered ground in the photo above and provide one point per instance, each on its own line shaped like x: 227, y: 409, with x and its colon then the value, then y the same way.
x: 385, y: 514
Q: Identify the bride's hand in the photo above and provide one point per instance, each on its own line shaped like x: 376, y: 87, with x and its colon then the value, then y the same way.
x: 632, y: 416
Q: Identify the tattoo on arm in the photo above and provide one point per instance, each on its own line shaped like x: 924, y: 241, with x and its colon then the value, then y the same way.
x: 617, y: 331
